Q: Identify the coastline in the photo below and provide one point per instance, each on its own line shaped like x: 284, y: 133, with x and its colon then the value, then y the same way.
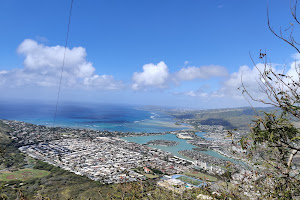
x: 98, y: 117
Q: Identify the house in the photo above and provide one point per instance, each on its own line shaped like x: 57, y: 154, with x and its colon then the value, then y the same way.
x: 147, y: 170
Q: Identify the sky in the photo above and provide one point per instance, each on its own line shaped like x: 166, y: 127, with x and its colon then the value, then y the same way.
x: 182, y: 53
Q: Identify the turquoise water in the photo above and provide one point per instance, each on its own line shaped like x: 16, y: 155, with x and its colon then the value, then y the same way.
x: 183, y: 145
x: 124, y: 118
x: 109, y: 117
x: 217, y: 155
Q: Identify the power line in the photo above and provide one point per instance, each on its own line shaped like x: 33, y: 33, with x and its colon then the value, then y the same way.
x: 63, y: 64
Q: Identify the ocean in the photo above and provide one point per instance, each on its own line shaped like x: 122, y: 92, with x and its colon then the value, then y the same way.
x: 111, y: 117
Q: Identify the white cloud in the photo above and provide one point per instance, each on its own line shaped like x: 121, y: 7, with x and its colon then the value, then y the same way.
x: 228, y: 94
x: 296, y: 56
x: 204, y: 72
x: 103, y: 81
x: 3, y: 72
x: 254, y: 84
x: 158, y: 76
x: 294, y: 70
x: 230, y: 86
x: 250, y: 78
x: 200, y: 92
x: 152, y: 76
x: 196, y: 94
x: 42, y: 67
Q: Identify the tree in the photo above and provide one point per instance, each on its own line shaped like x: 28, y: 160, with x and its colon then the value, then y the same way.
x: 274, y: 140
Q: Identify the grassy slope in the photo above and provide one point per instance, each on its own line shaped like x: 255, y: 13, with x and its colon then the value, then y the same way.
x: 189, y: 180
x: 23, y: 174
x: 201, y: 176
x: 10, y: 157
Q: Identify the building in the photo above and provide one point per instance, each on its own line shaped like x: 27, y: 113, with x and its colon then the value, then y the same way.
x: 147, y: 170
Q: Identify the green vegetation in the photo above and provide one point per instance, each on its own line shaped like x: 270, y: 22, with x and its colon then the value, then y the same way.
x: 140, y: 170
x: 9, y: 156
x: 63, y: 185
x: 229, y: 118
x: 150, y: 175
x: 23, y: 174
x: 216, y: 121
x: 60, y: 184
x: 202, y: 176
x: 274, y: 140
x: 189, y: 180
x: 156, y: 171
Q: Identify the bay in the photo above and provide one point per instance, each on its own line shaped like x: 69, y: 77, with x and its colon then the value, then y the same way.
x: 110, y: 117
x: 183, y: 145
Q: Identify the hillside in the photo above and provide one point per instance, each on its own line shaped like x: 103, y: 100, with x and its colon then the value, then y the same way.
x: 239, y: 118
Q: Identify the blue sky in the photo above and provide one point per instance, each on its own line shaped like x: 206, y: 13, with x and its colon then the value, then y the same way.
x: 181, y: 53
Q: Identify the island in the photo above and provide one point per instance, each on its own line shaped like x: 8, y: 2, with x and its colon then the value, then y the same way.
x: 167, y: 143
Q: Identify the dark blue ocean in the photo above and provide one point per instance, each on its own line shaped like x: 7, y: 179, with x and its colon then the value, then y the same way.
x: 125, y: 118
x: 109, y: 117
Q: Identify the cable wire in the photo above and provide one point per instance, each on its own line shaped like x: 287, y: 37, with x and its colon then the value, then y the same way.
x: 63, y: 64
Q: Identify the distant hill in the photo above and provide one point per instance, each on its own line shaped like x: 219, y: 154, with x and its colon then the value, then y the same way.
x: 230, y: 118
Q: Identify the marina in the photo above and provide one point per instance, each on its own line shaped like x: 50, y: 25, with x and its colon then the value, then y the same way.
x: 182, y: 145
